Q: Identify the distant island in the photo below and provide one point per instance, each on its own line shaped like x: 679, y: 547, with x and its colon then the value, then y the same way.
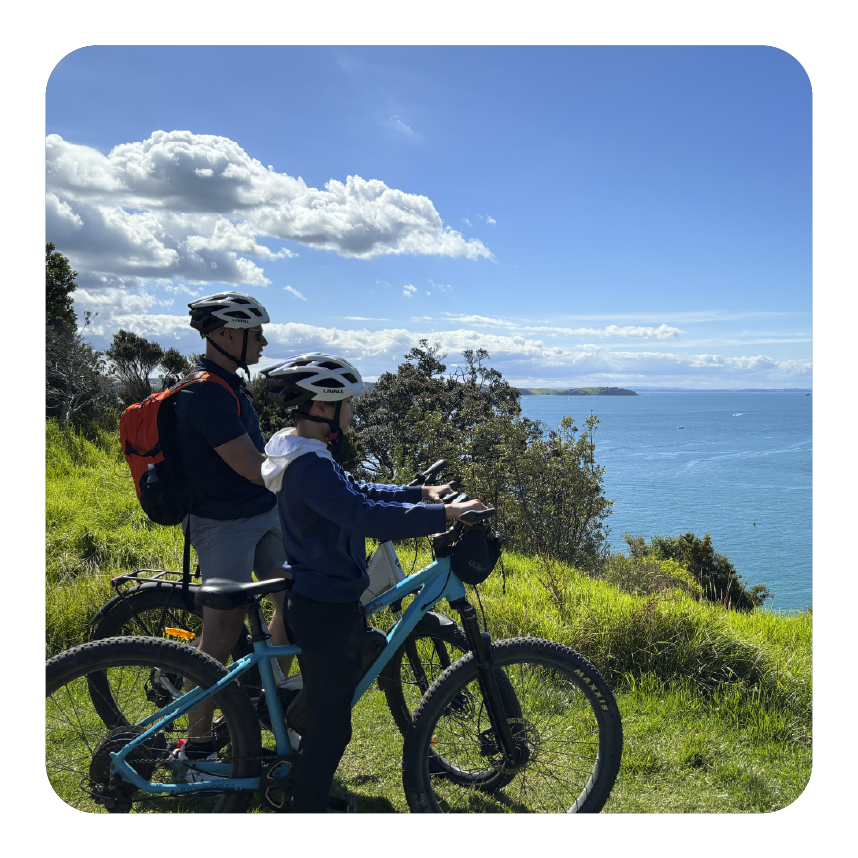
x: 576, y: 391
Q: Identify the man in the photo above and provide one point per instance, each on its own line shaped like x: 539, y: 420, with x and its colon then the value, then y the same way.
x: 234, y: 525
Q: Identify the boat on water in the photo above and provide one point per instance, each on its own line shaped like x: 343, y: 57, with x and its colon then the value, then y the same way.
x: 680, y: 427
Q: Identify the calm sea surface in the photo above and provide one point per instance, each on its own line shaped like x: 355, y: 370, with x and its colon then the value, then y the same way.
x: 741, y: 458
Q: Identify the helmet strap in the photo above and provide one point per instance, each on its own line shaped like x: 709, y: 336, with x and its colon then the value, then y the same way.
x: 335, y: 435
x: 238, y: 361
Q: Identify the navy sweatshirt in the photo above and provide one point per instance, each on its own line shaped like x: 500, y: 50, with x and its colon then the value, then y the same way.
x: 326, y: 513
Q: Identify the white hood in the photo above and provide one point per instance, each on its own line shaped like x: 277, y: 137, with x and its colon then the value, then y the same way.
x: 283, y: 448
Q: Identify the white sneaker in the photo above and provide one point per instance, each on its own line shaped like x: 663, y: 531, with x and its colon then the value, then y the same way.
x: 193, y: 776
x: 294, y: 739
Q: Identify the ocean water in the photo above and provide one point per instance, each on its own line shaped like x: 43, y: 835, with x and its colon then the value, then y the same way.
x: 740, y: 470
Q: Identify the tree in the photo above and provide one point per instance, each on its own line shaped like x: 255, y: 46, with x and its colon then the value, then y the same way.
x: 712, y: 571
x: 390, y: 418
x: 545, y: 485
x: 175, y: 366
x: 59, y: 284
x: 133, y: 359
x: 77, y: 390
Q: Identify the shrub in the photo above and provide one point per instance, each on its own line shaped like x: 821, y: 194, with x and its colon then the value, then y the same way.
x: 714, y: 572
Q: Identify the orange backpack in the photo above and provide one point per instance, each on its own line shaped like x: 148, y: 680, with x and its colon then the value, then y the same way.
x: 147, y: 432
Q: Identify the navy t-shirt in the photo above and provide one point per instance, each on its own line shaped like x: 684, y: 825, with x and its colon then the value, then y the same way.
x: 206, y: 417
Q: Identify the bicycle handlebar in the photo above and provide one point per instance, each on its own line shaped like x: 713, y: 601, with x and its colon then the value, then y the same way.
x: 422, y: 477
x: 472, y: 516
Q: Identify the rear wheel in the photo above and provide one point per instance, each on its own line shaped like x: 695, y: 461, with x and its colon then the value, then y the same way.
x: 150, y: 611
x: 143, y: 676
x: 566, y: 729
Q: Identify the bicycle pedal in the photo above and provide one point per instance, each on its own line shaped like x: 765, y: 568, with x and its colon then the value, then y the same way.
x: 343, y: 803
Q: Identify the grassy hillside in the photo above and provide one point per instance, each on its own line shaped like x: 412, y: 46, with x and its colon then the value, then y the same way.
x: 716, y: 705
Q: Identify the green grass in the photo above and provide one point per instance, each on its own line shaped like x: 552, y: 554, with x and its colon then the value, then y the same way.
x: 716, y: 705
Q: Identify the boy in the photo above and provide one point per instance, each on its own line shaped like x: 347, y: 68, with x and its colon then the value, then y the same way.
x: 325, y: 514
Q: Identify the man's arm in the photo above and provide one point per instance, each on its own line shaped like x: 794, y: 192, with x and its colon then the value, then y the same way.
x: 243, y: 458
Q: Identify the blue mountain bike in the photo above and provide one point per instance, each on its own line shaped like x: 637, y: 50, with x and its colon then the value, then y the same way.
x: 519, y: 725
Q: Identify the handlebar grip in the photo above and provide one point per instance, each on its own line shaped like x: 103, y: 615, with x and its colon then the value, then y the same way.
x: 433, y: 469
x: 422, y: 477
x: 472, y: 516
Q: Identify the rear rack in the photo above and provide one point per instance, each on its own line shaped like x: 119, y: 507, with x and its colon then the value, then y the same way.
x: 146, y: 576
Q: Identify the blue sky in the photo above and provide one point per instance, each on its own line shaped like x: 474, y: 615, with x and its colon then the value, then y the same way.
x: 590, y: 215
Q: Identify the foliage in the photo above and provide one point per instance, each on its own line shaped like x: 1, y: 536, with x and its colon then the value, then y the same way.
x: 649, y: 576
x: 545, y: 484
x: 714, y: 572
x: 175, y: 366
x: 133, y: 358
x: 272, y: 418
x: 59, y: 284
x: 76, y: 389
x: 388, y: 417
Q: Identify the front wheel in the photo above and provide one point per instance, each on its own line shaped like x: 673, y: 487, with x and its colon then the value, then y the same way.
x: 143, y: 675
x: 567, y: 731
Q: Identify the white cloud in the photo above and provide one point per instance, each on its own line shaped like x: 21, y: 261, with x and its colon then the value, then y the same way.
x: 441, y: 286
x: 176, y: 202
x: 294, y: 292
x: 522, y: 360
x: 662, y: 332
x: 409, y: 290
x: 364, y: 319
x: 399, y: 125
x: 490, y: 219
x: 466, y: 221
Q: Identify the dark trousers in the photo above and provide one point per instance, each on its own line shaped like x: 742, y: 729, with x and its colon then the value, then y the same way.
x: 330, y: 635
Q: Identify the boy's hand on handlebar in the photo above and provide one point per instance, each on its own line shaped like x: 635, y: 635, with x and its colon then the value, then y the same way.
x: 434, y: 493
x: 455, y: 510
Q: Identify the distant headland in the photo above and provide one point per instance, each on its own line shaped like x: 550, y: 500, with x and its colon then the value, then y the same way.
x: 576, y: 391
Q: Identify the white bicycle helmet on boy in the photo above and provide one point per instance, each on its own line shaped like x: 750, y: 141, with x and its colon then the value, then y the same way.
x: 227, y: 310
x: 312, y: 376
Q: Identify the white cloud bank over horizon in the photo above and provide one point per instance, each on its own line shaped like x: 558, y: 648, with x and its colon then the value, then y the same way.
x: 195, y: 206
x: 524, y: 362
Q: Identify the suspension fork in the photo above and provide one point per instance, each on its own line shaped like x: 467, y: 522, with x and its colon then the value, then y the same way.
x: 480, y: 644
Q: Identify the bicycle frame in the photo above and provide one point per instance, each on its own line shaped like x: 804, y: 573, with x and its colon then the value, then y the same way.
x: 432, y: 584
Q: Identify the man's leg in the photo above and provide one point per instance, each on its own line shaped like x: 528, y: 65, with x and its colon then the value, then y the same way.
x: 225, y: 550
x: 268, y: 562
x: 220, y: 632
x: 277, y: 626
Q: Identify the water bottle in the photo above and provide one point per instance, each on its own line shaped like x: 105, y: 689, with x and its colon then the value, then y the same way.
x: 151, y: 474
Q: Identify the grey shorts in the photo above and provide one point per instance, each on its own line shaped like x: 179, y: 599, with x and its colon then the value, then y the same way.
x: 234, y: 548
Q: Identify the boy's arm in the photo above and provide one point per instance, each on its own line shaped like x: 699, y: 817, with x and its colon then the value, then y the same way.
x: 380, y: 491
x: 330, y: 493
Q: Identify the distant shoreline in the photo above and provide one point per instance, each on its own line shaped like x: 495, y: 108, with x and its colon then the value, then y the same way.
x: 576, y: 391
x: 620, y: 391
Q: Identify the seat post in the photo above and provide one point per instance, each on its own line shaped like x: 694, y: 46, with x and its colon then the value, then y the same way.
x: 256, y: 620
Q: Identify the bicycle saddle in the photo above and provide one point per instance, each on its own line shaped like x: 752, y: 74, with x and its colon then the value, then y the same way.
x: 223, y: 595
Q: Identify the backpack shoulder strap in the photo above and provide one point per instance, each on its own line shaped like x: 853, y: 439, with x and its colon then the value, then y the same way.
x: 203, y: 375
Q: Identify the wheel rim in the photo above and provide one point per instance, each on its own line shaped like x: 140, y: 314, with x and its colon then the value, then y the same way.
x: 558, y: 734
x: 78, y: 742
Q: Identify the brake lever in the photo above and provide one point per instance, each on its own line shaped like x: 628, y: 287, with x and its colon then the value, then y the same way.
x: 472, y: 516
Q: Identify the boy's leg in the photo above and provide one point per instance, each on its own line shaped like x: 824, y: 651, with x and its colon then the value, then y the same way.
x: 331, y: 636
